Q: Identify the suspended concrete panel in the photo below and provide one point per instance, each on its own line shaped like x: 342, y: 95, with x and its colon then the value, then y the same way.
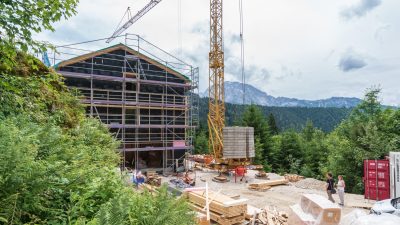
x: 238, y: 142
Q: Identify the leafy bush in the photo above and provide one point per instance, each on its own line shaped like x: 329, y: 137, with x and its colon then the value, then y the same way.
x: 160, y: 208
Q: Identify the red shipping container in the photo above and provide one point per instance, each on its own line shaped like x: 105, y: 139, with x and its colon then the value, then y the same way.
x: 376, y: 179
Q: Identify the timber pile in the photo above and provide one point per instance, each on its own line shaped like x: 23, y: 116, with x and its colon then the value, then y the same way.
x: 293, y: 177
x: 153, y: 178
x: 263, y: 186
x: 223, y: 209
x: 267, y: 216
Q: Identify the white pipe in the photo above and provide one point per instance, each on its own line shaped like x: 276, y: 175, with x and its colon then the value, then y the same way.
x: 207, y: 203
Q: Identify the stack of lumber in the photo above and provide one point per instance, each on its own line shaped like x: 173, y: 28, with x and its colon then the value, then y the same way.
x: 263, y: 186
x: 267, y: 216
x: 223, y: 209
x: 153, y: 178
x: 293, y: 177
x: 316, y: 210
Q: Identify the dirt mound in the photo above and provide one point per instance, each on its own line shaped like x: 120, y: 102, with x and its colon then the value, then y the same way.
x: 310, y: 183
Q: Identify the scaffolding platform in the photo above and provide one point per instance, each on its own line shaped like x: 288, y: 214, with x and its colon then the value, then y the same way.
x: 147, y: 97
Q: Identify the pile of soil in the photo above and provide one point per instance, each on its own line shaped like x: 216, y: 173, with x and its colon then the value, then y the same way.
x: 310, y: 183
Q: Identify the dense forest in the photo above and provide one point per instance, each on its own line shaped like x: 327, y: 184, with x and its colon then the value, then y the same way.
x: 370, y: 131
x: 286, y: 118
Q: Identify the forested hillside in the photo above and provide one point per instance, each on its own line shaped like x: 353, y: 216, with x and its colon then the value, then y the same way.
x: 286, y: 118
x: 368, y: 131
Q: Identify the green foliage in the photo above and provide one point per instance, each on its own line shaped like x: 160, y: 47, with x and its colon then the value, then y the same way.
x: 286, y: 118
x: 201, y: 143
x: 272, y: 124
x: 20, y: 19
x: 253, y: 117
x: 287, y: 153
x: 161, y: 208
x: 33, y: 89
x: 370, y: 133
x: 49, y: 174
x: 56, y: 165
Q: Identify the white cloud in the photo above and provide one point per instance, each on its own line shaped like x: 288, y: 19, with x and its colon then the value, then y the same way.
x: 360, y: 9
x: 292, y: 48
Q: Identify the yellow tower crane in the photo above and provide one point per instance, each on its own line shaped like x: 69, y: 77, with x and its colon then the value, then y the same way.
x: 216, y: 104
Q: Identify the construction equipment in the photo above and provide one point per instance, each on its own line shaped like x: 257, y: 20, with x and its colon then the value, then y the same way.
x: 132, y: 20
x: 216, y: 105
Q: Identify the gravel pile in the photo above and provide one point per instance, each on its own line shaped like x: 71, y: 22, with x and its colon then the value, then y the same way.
x: 310, y: 183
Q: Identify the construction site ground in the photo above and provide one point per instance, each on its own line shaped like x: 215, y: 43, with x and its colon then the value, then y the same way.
x: 281, y: 196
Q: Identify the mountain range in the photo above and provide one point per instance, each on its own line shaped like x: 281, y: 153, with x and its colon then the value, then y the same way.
x: 234, y: 95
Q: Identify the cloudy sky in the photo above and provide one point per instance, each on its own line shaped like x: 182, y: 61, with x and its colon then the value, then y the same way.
x: 307, y: 49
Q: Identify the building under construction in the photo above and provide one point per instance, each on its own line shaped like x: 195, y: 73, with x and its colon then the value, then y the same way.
x: 147, y: 97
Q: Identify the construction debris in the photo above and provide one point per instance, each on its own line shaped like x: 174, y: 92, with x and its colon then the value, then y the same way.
x: 179, y: 183
x: 261, y: 175
x: 267, y: 216
x: 293, y: 177
x: 223, y: 209
x: 153, y: 178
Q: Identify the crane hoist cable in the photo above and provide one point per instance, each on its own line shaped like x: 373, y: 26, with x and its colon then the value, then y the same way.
x: 242, y: 52
x: 180, y: 28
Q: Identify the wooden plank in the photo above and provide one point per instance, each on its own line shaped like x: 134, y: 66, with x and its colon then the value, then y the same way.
x: 220, y: 219
x: 218, y: 207
x: 270, y: 183
x: 231, y: 209
x: 235, y: 202
x: 254, y: 188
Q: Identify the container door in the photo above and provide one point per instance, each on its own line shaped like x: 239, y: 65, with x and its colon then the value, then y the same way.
x: 376, y: 179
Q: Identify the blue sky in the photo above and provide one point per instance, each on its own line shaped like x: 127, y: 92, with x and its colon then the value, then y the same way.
x: 308, y: 49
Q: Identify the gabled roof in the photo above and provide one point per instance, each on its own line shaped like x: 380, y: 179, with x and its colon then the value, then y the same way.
x: 120, y: 46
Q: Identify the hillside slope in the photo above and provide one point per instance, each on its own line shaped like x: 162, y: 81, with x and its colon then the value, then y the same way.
x: 286, y: 117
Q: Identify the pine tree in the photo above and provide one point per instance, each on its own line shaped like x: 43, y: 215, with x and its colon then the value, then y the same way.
x: 272, y: 124
x: 253, y: 117
x: 308, y: 131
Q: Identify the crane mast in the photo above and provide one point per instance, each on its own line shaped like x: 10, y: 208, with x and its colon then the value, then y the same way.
x: 216, y: 106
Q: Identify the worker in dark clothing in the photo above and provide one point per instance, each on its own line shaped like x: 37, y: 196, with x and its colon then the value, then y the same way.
x: 330, y: 189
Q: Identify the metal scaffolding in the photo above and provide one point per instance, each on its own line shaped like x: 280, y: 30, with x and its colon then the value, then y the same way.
x: 147, y: 97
